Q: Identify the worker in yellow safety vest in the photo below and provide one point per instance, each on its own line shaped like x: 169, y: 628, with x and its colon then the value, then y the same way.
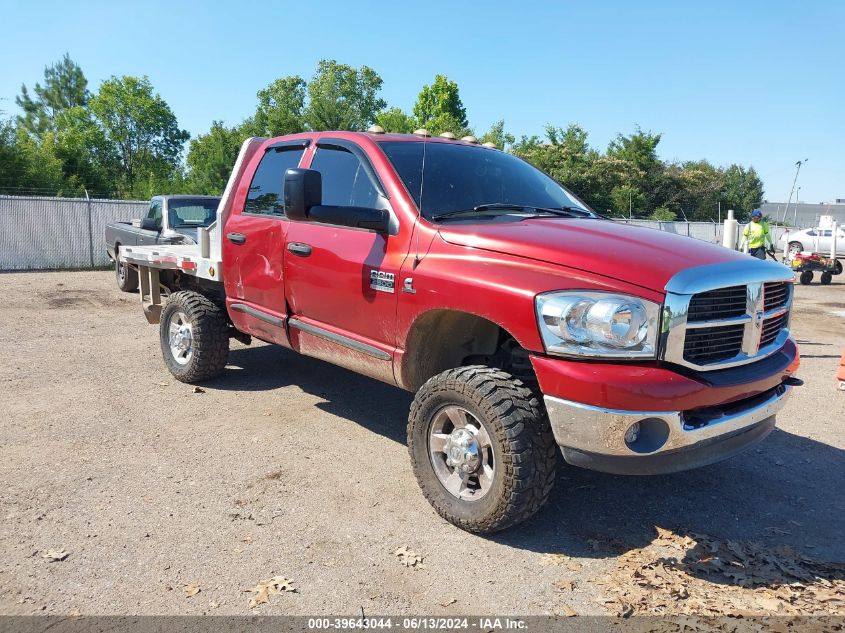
x: 756, y: 235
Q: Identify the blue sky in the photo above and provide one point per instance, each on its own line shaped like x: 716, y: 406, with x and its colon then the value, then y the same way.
x: 752, y: 82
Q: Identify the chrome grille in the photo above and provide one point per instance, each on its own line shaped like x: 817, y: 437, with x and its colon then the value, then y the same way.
x: 772, y: 327
x: 711, y: 344
x: 775, y: 295
x: 717, y: 304
x: 723, y: 315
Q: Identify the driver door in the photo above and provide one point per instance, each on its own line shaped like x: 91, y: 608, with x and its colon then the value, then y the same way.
x: 341, y: 282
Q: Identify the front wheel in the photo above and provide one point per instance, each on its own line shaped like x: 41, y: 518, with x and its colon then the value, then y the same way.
x: 806, y: 277
x: 826, y: 277
x: 481, y: 447
x: 194, y: 336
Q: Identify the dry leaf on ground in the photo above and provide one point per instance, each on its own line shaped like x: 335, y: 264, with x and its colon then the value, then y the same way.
x: 55, y: 555
x: 696, y: 574
x: 266, y: 588
x: 191, y: 589
x: 561, y: 559
x: 409, y: 558
x: 564, y: 585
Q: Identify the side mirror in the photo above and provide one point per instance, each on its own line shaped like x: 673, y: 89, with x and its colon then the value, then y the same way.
x: 303, y: 190
x: 149, y: 224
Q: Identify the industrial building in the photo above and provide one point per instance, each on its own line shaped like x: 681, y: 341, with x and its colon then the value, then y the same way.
x: 803, y: 214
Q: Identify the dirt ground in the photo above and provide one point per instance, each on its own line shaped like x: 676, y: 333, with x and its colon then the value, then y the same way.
x: 289, y: 467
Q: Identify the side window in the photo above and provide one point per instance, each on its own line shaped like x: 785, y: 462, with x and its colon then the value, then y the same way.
x: 266, y: 195
x: 345, y: 181
x: 155, y: 212
x: 827, y: 233
x: 811, y: 233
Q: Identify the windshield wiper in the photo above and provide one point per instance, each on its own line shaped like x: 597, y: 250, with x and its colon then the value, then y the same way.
x: 499, y: 206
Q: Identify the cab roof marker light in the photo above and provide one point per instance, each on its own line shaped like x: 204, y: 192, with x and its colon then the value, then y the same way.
x: 375, y: 129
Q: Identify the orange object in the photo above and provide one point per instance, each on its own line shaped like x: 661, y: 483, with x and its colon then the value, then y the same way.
x: 840, y: 377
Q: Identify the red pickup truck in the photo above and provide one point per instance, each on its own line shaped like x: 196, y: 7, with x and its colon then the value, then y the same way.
x: 526, y: 325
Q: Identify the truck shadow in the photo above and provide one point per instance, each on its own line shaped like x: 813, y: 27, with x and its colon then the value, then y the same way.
x: 786, y: 491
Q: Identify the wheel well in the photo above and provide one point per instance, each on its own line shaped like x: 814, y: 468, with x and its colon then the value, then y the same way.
x: 445, y: 339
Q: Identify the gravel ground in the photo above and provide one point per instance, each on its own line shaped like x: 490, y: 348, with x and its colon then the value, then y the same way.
x: 287, y: 466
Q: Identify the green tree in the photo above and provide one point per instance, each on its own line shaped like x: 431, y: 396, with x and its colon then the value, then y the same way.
x: 498, y: 136
x: 742, y: 190
x: 281, y: 107
x: 439, y: 107
x: 211, y: 157
x: 695, y: 187
x: 27, y: 167
x: 627, y: 200
x: 89, y: 161
x: 638, y: 165
x: 341, y: 97
x: 64, y: 87
x: 394, y: 120
x: 143, y: 131
x: 567, y: 157
x: 664, y: 214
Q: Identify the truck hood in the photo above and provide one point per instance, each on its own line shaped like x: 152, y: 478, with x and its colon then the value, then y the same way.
x: 640, y: 256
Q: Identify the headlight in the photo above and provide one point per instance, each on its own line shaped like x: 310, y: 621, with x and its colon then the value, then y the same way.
x: 597, y: 324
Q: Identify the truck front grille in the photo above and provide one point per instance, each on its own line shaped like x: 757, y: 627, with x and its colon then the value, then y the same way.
x: 775, y: 295
x: 717, y: 304
x: 726, y: 326
x: 772, y: 327
x: 712, y: 344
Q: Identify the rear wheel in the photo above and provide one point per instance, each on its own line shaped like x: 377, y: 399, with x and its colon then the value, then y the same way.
x: 126, y: 276
x: 481, y: 448
x: 826, y: 277
x: 194, y: 336
x: 837, y: 268
x: 806, y: 277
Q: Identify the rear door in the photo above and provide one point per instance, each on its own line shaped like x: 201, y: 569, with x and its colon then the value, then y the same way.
x: 825, y: 240
x: 253, y: 247
x: 341, y: 282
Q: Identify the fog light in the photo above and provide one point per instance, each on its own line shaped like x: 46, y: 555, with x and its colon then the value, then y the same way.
x: 632, y: 434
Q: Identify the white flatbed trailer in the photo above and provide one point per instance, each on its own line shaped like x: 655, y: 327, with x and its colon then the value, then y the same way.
x: 202, y: 260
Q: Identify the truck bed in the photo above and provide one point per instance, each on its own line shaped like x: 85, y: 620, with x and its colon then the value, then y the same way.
x: 186, y: 258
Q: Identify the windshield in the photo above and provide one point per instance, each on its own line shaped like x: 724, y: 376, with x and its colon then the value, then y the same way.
x: 191, y: 212
x: 459, y: 177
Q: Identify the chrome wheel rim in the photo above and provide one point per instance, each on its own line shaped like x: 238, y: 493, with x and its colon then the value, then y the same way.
x: 181, y: 338
x: 461, y: 453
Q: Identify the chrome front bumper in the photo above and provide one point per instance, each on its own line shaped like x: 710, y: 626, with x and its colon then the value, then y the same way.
x: 669, y: 441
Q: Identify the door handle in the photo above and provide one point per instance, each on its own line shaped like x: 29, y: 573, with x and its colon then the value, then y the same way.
x: 298, y: 248
x: 236, y: 238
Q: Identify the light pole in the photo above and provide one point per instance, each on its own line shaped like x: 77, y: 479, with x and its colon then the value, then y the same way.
x: 791, y: 191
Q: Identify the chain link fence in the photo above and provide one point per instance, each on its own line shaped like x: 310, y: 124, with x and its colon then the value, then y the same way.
x: 706, y: 231
x: 52, y: 233
x: 38, y: 233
